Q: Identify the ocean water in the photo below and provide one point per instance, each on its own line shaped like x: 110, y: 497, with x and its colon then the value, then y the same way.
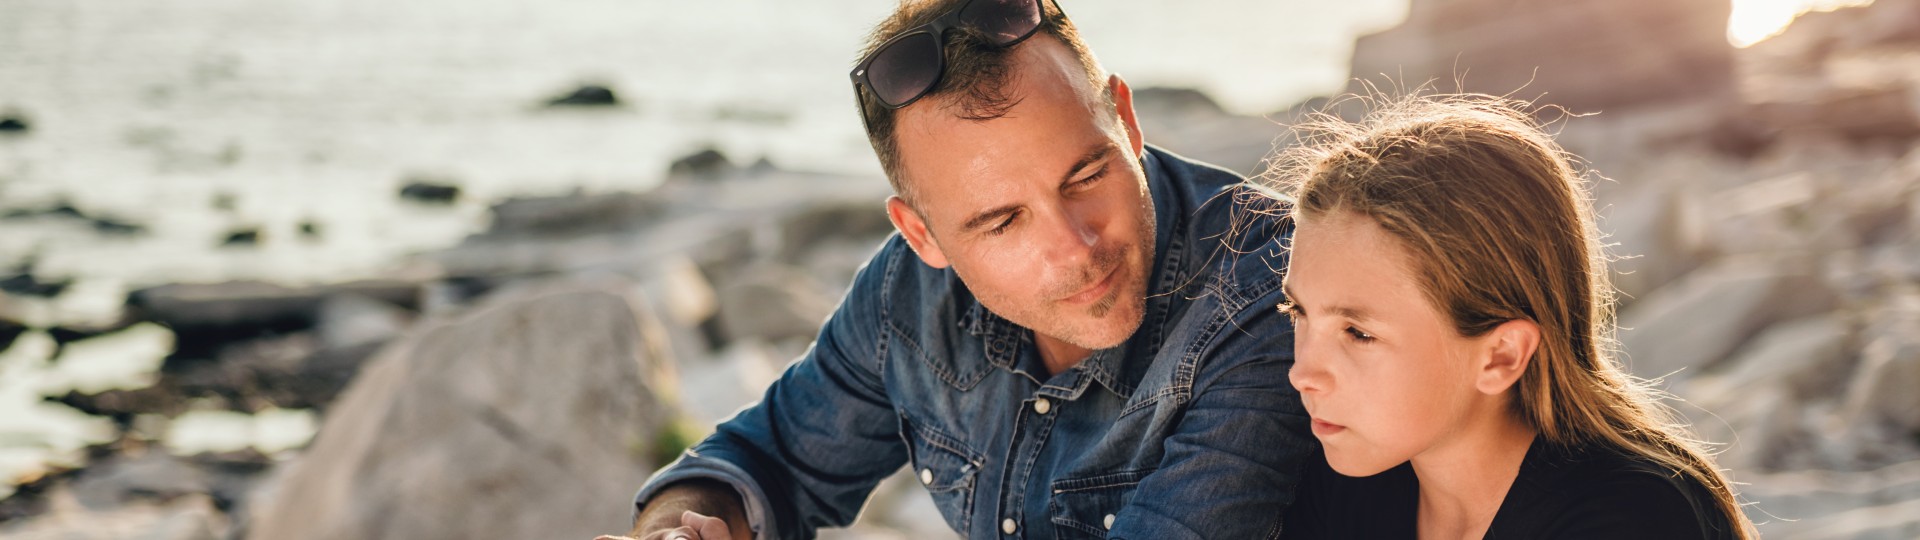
x: 198, y: 118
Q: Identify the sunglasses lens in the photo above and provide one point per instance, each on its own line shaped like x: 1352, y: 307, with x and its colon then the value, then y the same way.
x: 905, y: 69
x: 1003, y: 21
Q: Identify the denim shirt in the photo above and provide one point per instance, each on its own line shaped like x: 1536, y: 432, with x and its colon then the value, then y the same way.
x: 1189, y: 429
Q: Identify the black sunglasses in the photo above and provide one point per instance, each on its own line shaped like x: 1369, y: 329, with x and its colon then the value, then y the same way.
x: 910, y: 65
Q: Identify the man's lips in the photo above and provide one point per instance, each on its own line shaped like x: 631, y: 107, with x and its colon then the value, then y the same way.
x: 1095, y: 291
x: 1324, y: 428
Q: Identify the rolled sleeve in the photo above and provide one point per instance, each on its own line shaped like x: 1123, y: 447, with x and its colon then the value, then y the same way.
x: 821, y: 438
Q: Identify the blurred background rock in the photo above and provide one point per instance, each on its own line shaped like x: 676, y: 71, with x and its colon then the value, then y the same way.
x: 355, y: 269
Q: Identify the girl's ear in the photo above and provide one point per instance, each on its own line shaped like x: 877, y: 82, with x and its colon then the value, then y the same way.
x: 1508, y: 349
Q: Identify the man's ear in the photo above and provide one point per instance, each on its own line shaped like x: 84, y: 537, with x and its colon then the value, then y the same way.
x: 914, y: 230
x: 1123, y: 105
x: 1508, y: 350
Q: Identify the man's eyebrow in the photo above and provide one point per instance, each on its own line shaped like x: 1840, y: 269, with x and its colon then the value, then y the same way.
x: 982, y: 219
x: 1091, y: 157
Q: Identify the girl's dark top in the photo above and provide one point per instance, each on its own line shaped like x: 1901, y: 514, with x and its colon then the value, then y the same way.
x: 1560, y: 493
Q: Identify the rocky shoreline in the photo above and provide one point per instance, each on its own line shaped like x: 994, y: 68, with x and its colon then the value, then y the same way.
x: 1768, y: 229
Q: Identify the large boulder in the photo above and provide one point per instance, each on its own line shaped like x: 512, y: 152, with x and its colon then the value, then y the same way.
x: 531, y: 417
x: 1697, y: 321
x: 1583, y: 54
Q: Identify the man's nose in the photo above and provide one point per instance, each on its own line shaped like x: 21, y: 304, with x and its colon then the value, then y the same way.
x: 1074, y: 235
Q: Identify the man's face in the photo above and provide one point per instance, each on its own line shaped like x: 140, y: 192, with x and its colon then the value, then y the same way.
x: 1044, y: 213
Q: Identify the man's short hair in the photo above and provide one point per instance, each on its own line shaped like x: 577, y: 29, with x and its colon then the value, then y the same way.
x: 974, y: 85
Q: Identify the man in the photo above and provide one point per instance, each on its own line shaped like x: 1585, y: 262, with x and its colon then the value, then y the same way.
x: 1073, y: 335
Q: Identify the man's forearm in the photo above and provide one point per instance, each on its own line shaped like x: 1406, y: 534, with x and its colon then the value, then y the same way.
x: 701, y: 496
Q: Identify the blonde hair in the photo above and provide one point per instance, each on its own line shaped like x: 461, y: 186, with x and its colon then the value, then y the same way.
x: 1499, y: 224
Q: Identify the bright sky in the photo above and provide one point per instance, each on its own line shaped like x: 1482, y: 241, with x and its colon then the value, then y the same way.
x: 1755, y: 20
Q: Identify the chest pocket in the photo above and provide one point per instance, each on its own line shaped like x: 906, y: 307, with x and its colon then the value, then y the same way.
x: 1086, y: 507
x: 946, y: 468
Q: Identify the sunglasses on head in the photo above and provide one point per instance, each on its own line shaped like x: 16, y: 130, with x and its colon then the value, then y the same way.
x: 908, y: 66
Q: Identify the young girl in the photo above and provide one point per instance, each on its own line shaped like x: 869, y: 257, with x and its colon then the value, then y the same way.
x: 1452, y: 337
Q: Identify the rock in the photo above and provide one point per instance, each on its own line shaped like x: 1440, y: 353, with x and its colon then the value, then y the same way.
x: 1587, y: 55
x: 65, y: 210
x: 1888, y: 110
x: 717, y: 388
x: 1693, y: 323
x: 310, y: 229
x: 430, y: 192
x: 528, y: 418
x: 772, y: 303
x: 349, y: 320
x: 186, y: 518
x: 208, y: 316
x: 804, y: 232
x: 13, y: 124
x: 574, y: 214
x: 1882, y: 389
x: 9, y: 331
x: 1872, y: 504
x: 1659, y: 233
x: 150, y: 475
x: 590, y: 95
x: 1160, y: 101
x: 707, y: 164
x: 242, y: 238
x: 1808, y: 356
x: 27, y: 284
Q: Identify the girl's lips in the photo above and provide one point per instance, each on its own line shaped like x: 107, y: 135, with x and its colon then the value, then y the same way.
x: 1324, y: 428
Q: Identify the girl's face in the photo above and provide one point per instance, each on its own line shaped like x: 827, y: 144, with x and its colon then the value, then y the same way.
x: 1384, y: 375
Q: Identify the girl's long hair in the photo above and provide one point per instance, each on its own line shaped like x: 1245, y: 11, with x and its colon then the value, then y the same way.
x: 1499, y: 222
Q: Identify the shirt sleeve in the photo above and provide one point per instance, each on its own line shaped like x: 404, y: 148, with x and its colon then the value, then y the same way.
x: 822, y: 437
x: 1231, y: 466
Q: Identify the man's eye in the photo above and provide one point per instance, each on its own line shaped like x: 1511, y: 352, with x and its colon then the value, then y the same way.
x: 997, y: 230
x: 1090, y: 180
x: 1359, y: 335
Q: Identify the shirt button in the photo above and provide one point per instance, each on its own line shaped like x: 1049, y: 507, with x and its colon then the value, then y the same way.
x: 1008, y: 526
x: 926, y: 476
x: 1041, y: 405
x: 1108, y: 521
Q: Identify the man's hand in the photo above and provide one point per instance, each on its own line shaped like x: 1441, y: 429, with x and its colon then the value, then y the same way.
x: 693, y: 526
x: 691, y: 510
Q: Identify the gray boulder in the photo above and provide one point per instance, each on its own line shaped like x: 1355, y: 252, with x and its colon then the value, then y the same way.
x: 534, y: 416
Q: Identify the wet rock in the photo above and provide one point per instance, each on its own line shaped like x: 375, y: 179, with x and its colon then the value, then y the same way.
x: 1695, y: 322
x: 242, y: 238
x: 589, y: 95
x: 573, y: 214
x: 206, y: 317
x: 708, y: 164
x: 310, y: 229
x: 13, y: 125
x: 9, y: 331
x: 535, y: 409
x: 430, y: 192
x: 65, y: 210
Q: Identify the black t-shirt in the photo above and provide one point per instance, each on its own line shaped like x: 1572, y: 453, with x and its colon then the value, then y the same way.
x: 1559, y: 493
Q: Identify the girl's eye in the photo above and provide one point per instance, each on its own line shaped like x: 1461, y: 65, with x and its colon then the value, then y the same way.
x: 1359, y: 335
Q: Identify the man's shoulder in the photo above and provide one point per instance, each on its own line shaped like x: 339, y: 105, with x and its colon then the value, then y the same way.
x: 1236, y: 228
